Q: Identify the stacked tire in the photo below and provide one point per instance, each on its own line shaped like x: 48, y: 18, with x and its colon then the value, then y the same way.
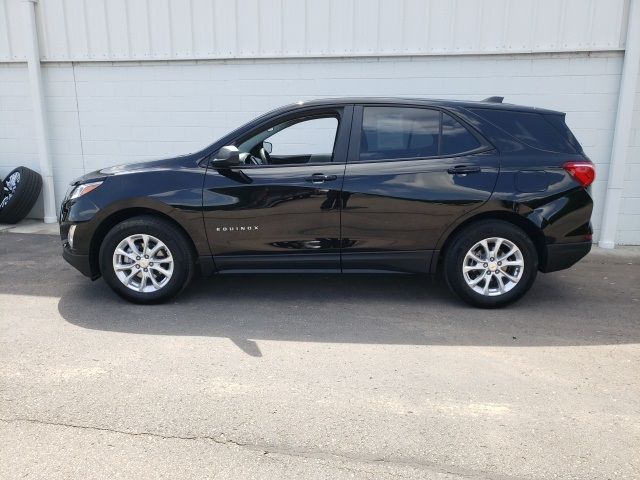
x: 18, y: 194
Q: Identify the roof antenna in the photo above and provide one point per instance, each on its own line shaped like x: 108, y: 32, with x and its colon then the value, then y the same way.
x: 493, y: 99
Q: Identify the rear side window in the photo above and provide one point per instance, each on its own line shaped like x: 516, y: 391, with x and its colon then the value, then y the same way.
x: 532, y: 129
x: 392, y: 133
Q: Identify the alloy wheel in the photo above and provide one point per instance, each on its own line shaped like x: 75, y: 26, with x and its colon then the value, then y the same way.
x: 9, y: 187
x: 143, y: 263
x: 493, y: 266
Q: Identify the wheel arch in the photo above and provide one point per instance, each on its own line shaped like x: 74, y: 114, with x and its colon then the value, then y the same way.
x: 531, y: 229
x: 121, y: 215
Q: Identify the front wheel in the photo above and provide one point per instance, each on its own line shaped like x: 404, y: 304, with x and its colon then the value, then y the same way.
x: 491, y: 264
x: 146, y: 260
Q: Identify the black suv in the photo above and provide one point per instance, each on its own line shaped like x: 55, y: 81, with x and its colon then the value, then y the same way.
x: 486, y: 193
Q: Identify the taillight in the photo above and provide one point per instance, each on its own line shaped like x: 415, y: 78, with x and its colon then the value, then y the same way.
x: 583, y: 172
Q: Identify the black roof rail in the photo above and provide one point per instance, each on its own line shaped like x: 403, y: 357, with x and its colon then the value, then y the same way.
x: 493, y: 99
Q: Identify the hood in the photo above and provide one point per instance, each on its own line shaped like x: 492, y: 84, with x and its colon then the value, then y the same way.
x: 137, y: 167
x: 147, y: 166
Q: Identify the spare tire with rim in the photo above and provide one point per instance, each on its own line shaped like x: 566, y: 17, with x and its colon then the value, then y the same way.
x: 20, y: 190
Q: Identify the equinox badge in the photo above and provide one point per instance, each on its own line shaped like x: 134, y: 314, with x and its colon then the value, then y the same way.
x: 248, y: 228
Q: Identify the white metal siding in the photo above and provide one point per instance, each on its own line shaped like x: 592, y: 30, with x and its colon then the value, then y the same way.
x: 213, y: 64
x: 99, y: 30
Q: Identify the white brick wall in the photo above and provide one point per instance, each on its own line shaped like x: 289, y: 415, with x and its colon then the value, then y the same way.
x: 629, y: 216
x: 106, y: 113
x: 17, y: 138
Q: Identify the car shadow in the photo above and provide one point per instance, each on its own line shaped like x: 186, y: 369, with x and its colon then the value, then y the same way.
x: 367, y: 309
x: 594, y: 303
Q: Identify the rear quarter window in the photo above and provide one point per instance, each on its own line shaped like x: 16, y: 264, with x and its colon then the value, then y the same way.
x: 558, y: 122
x: 532, y: 129
x: 456, y: 138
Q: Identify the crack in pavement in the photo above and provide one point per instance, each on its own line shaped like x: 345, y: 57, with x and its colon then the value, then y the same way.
x: 218, y: 439
x: 271, y: 451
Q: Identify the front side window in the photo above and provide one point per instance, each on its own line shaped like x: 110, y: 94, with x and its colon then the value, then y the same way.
x: 393, y: 133
x: 295, y: 141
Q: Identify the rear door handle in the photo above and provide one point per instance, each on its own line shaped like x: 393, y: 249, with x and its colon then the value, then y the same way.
x: 320, y: 178
x: 463, y: 170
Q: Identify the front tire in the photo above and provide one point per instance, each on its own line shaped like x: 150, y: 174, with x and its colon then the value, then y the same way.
x: 146, y: 259
x: 490, y: 264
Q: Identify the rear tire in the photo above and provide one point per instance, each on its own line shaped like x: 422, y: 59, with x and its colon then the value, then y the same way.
x: 146, y: 260
x: 20, y: 190
x: 490, y: 264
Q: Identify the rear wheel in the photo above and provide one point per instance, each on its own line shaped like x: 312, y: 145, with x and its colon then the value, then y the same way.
x: 491, y: 264
x: 146, y: 260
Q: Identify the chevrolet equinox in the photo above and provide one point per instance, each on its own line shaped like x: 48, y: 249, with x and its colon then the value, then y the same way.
x: 484, y: 193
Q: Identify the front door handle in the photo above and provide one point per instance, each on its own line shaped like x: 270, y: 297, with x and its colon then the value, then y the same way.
x: 463, y: 170
x: 320, y: 178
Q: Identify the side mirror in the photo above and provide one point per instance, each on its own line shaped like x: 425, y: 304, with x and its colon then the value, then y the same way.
x: 268, y: 146
x: 227, y: 156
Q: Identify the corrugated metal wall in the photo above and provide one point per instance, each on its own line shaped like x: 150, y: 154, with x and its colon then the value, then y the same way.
x: 99, y: 30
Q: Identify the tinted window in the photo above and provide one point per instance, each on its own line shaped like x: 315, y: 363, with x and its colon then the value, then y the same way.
x: 455, y: 137
x: 395, y: 132
x: 530, y: 128
x: 557, y: 120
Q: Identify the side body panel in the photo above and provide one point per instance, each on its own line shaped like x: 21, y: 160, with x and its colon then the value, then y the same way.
x: 273, y: 218
x: 532, y: 186
x: 394, y: 212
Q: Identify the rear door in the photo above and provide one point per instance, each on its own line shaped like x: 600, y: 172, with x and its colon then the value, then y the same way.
x: 411, y: 172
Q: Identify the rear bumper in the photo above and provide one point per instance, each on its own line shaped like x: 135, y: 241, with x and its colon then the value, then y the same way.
x: 564, y: 255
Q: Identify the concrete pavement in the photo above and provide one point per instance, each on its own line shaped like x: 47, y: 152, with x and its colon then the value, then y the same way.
x: 317, y: 376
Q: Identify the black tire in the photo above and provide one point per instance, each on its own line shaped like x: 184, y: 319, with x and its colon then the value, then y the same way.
x: 464, y: 240
x: 23, y: 198
x: 166, y: 232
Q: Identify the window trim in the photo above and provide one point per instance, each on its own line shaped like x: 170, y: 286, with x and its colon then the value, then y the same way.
x: 353, y: 156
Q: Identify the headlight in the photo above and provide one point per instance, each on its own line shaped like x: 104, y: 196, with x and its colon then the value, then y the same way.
x: 84, y: 189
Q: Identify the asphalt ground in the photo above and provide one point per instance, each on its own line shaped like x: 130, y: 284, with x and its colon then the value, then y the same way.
x: 317, y: 376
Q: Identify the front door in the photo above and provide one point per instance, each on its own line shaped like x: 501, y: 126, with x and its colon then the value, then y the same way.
x: 281, y: 208
x: 411, y: 173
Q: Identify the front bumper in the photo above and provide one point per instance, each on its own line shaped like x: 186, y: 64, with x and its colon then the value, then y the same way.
x: 78, y: 256
x: 78, y: 261
x: 564, y: 255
